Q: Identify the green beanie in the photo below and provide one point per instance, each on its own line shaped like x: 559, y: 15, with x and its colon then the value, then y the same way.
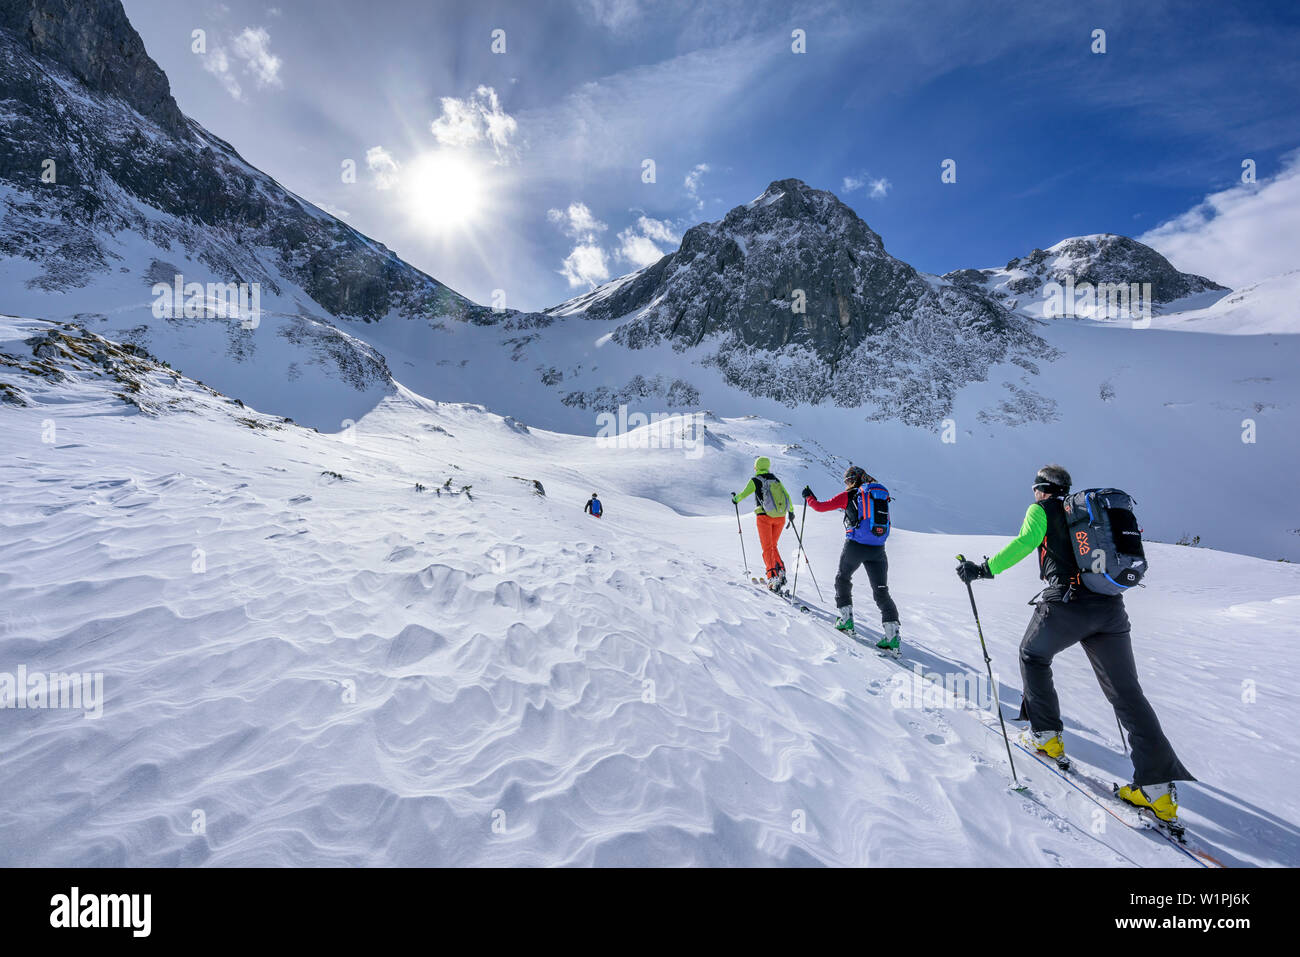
x: 762, y: 464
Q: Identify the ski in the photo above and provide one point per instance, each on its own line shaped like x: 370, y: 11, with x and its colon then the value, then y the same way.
x: 1176, y: 829
x: 780, y: 593
x: 1106, y: 799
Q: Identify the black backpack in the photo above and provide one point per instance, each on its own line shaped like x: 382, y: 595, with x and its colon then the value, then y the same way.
x: 1106, y: 540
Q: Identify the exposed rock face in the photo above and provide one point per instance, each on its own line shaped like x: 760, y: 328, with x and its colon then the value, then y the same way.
x: 793, y: 297
x: 94, y: 41
x: 1099, y: 259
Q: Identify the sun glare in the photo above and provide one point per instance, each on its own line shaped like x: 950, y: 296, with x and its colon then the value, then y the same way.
x: 444, y: 192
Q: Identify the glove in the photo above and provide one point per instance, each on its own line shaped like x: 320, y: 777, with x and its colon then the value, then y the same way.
x: 968, y: 571
x: 733, y: 498
x: 807, y: 492
x: 790, y: 516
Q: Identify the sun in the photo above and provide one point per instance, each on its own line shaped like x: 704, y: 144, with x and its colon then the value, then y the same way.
x: 444, y: 192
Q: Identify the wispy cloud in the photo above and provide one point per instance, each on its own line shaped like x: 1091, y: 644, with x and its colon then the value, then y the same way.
x: 692, y: 184
x: 646, y: 241
x: 217, y: 63
x: 613, y: 14
x: 386, y: 170
x: 877, y: 187
x: 250, y: 48
x: 253, y: 46
x: 577, y: 222
x: 586, y: 264
x: 474, y: 121
x: 644, y: 112
x: 1239, y: 235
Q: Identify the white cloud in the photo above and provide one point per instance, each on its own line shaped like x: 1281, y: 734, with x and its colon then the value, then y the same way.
x: 386, y: 169
x: 474, y: 121
x: 585, y: 266
x: 217, y: 63
x: 877, y: 188
x: 639, y: 244
x: 1239, y: 235
x: 613, y: 14
x: 692, y: 181
x: 649, y: 111
x: 253, y: 47
x: 577, y: 222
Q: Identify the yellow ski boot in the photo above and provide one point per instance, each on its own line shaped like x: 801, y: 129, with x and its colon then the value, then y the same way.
x: 1048, y: 742
x: 1162, y: 799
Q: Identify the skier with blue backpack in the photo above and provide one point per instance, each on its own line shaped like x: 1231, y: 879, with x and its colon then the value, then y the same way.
x: 865, y: 503
x: 1089, y: 553
x: 593, y: 507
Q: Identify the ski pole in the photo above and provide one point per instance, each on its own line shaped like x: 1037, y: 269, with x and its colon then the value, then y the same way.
x: 988, y: 664
x: 741, y: 533
x: 1121, y: 734
x: 794, y: 589
x: 799, y: 536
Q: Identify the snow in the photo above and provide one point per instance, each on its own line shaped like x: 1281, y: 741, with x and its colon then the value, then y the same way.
x: 535, y: 687
x: 1263, y: 309
x: 766, y: 198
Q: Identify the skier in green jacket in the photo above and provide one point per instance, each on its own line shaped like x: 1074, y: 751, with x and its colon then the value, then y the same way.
x: 1069, y: 613
x: 772, y: 509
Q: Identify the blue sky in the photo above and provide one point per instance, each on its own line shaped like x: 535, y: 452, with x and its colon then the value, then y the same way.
x: 522, y: 171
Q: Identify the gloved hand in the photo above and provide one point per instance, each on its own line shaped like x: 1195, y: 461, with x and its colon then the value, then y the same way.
x: 734, y: 500
x: 968, y: 571
x: 790, y: 516
x: 807, y: 492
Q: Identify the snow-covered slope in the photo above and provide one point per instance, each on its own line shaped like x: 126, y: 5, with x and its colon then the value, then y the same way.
x: 306, y: 660
x: 1267, y: 308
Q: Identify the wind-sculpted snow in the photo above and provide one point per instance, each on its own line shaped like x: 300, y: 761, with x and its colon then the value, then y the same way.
x: 307, y: 661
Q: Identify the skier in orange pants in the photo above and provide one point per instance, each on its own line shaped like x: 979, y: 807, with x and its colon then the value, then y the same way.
x: 772, y: 509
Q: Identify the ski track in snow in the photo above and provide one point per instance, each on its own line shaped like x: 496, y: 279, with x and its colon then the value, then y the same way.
x: 534, y: 687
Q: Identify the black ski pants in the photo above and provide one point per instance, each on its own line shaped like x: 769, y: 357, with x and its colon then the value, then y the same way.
x: 1101, y: 625
x: 872, y: 558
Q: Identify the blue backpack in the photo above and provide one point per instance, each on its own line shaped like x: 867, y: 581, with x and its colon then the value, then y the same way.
x: 866, y: 516
x: 595, y: 507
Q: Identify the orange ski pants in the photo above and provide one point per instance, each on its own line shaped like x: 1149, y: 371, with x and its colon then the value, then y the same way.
x: 769, y: 530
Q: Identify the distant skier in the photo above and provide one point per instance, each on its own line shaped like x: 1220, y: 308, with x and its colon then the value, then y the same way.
x: 866, y: 527
x: 772, y: 509
x: 1069, y: 613
x: 593, y: 507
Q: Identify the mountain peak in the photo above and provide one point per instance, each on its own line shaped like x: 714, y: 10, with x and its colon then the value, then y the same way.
x: 1094, y: 259
x: 795, y: 298
x: 95, y: 42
